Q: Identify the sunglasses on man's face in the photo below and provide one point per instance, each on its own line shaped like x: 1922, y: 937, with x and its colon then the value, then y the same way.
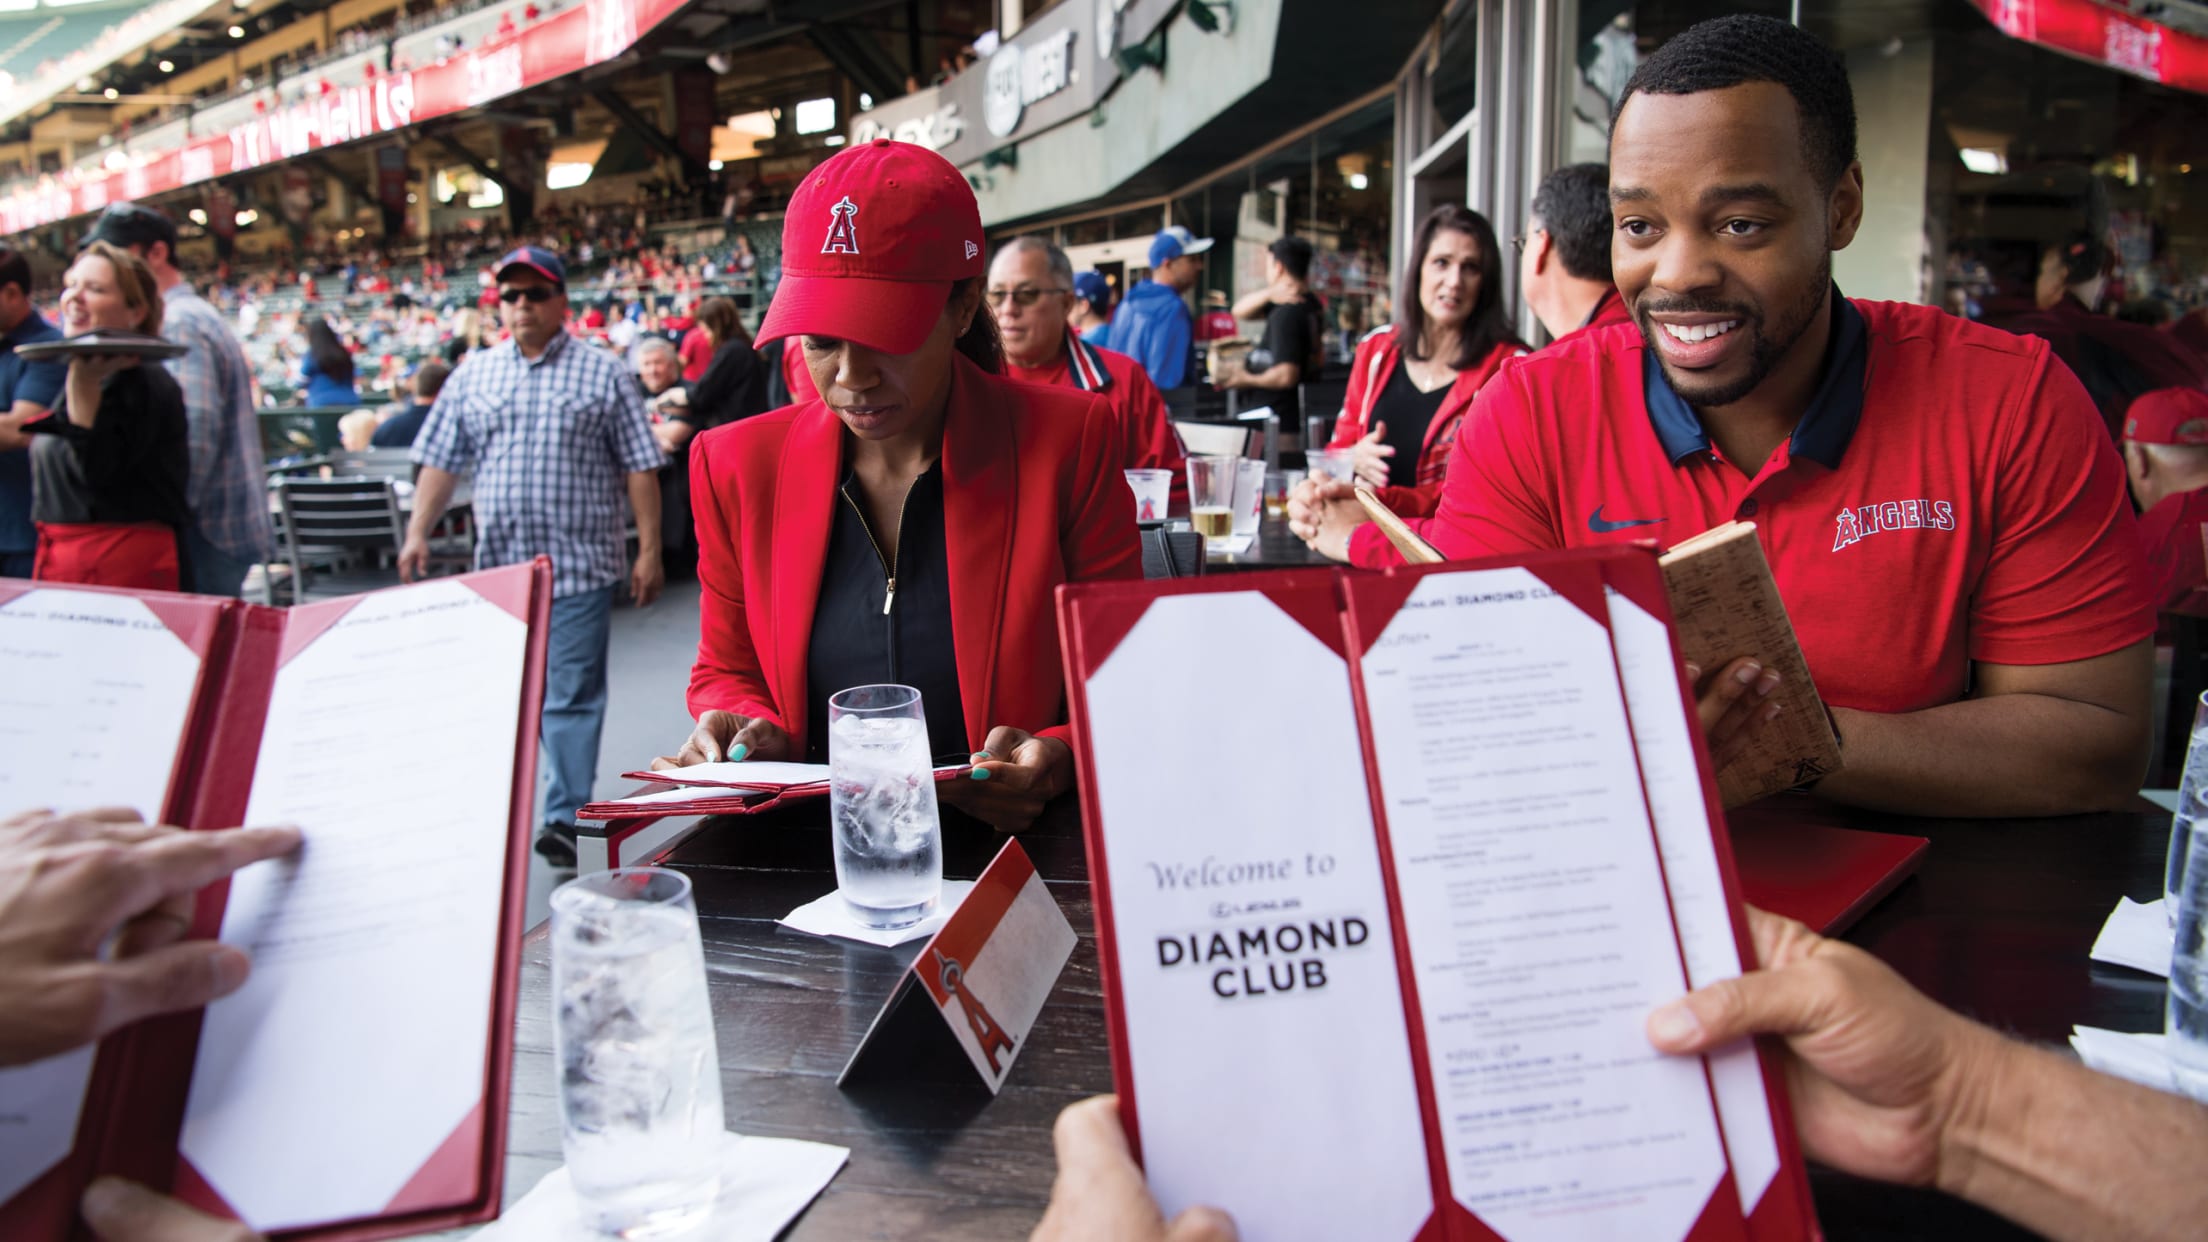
x: 530, y: 293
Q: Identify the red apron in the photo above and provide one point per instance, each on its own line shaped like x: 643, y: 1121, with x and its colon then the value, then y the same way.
x: 140, y: 555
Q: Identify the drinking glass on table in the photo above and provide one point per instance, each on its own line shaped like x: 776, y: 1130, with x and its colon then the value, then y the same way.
x: 881, y: 803
x: 1153, y: 492
x: 2185, y: 1026
x: 2192, y: 799
x: 640, y: 1076
x: 1211, y: 481
x: 1249, y: 496
x: 1331, y: 465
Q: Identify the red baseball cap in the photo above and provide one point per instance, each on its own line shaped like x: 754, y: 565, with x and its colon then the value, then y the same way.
x: 871, y: 245
x: 2168, y: 416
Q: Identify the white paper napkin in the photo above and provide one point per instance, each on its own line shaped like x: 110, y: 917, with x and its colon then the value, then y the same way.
x: 828, y: 916
x: 2136, y: 935
x: 765, y: 1183
x: 1228, y: 545
x: 2139, y: 1058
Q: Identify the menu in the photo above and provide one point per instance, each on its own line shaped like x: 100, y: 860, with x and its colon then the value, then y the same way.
x: 1424, y: 849
x: 297, y: 1103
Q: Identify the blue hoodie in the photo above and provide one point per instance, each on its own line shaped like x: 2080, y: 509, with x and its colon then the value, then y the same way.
x: 1152, y: 327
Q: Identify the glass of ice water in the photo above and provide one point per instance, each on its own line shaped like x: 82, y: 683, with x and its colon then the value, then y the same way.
x: 881, y: 800
x: 640, y: 1077
x: 2192, y: 790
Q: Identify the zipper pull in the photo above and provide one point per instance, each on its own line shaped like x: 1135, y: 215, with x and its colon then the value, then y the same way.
x: 889, y: 597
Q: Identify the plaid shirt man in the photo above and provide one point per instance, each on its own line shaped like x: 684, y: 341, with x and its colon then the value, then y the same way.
x: 556, y: 437
x: 226, y: 488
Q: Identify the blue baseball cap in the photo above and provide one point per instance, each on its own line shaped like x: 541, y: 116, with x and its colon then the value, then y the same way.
x: 1091, y: 287
x: 537, y: 259
x: 1175, y: 243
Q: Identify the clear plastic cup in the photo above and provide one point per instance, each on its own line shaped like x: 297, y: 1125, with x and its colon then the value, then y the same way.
x: 1153, y: 493
x: 1211, y: 484
x: 1249, y: 496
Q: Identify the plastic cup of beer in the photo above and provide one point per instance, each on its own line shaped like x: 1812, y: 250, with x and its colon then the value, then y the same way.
x: 1279, y: 484
x: 1153, y: 491
x: 1211, y: 483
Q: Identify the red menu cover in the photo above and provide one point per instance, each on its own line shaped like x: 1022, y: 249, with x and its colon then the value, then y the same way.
x: 356, y: 1086
x: 1391, y: 839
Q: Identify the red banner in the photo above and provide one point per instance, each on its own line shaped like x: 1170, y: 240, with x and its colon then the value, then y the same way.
x: 590, y: 33
x: 2105, y: 36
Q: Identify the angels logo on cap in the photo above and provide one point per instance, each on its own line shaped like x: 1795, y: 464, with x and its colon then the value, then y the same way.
x: 843, y: 235
x: 887, y: 292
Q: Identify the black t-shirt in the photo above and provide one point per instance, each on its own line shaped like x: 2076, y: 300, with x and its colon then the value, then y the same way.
x: 1407, y: 413
x: 855, y: 643
x: 1292, y: 334
x: 131, y: 465
x: 734, y: 386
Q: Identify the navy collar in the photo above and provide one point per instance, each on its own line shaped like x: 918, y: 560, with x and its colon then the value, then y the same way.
x: 28, y: 330
x: 1827, y: 425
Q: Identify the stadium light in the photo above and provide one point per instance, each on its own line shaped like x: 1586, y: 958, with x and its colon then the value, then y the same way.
x: 237, y: 32
x: 566, y: 176
x: 1985, y: 161
x: 246, y: 217
x: 167, y: 66
x: 112, y: 93
x: 713, y: 165
x: 198, y: 215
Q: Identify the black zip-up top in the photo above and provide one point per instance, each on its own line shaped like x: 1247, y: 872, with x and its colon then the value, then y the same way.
x: 883, y: 622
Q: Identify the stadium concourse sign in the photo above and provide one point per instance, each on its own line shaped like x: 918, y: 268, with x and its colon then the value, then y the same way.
x: 587, y: 34
x: 1057, y: 68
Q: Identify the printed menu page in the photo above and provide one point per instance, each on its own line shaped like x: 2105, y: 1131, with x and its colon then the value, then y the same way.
x: 1269, y: 1054
x: 1535, y: 911
x: 92, y: 709
x: 1698, y: 900
x: 357, y: 1046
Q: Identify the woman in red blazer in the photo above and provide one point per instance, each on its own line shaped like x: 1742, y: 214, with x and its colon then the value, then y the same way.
x: 913, y: 523
x: 1410, y: 385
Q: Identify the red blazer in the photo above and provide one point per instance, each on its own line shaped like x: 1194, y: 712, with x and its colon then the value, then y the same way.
x: 1032, y: 497
x: 1377, y: 357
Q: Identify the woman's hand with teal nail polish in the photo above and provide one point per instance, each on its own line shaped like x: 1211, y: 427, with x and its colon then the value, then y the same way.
x: 979, y: 774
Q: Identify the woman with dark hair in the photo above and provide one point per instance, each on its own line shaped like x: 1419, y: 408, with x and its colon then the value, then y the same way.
x: 327, y: 370
x: 912, y: 522
x: 735, y: 381
x: 1410, y: 385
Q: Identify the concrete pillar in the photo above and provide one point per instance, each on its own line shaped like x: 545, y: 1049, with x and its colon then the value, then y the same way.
x: 1893, y: 110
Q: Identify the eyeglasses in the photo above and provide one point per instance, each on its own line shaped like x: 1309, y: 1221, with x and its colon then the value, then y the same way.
x: 1518, y: 243
x: 1025, y: 295
x: 533, y: 293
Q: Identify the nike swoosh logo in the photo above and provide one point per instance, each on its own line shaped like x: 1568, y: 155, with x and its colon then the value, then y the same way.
x: 1597, y: 524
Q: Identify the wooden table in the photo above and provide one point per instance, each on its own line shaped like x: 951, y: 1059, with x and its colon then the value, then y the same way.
x: 1997, y: 923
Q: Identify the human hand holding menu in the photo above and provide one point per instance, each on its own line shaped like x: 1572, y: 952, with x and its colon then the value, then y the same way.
x: 1391, y: 840
x: 355, y: 1087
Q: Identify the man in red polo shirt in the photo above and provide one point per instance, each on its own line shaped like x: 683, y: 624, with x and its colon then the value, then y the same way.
x: 1939, y: 501
x: 1031, y: 291
x: 2166, y: 459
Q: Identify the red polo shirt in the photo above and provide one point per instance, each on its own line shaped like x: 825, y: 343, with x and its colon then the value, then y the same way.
x: 1145, y: 423
x: 2170, y: 534
x: 1949, y: 496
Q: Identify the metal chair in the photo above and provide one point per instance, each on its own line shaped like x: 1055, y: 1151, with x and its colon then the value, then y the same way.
x: 1168, y: 553
x: 343, y: 525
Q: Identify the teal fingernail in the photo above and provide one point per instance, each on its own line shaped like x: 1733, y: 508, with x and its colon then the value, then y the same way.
x: 737, y: 752
x: 981, y: 774
x: 979, y: 756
